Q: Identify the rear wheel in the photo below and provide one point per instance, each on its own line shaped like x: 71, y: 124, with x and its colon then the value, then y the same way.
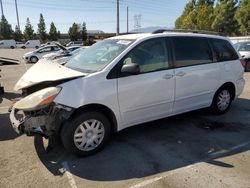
x: 33, y: 59
x: 12, y: 47
x: 222, y: 101
x: 86, y: 133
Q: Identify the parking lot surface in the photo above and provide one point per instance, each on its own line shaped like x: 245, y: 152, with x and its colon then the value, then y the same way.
x: 195, y: 149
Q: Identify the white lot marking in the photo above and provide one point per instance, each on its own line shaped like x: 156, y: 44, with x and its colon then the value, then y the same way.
x: 155, y: 179
x: 214, y: 155
x: 69, y: 175
x: 146, y: 182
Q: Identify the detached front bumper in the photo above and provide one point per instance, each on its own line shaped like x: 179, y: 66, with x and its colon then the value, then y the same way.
x: 22, y: 123
x: 44, y: 122
x: 17, y: 123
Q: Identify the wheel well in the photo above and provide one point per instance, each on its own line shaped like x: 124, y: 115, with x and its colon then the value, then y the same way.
x: 230, y: 86
x: 100, y: 108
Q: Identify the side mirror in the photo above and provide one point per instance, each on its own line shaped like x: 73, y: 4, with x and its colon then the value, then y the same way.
x: 130, y: 69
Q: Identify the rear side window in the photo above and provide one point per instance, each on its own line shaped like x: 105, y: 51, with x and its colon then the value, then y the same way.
x: 191, y: 51
x: 224, y: 50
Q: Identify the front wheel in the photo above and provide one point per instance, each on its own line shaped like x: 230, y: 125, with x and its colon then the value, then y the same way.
x: 33, y: 59
x: 222, y: 101
x: 86, y: 133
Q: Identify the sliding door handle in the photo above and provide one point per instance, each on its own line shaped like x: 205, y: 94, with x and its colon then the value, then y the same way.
x: 181, y: 74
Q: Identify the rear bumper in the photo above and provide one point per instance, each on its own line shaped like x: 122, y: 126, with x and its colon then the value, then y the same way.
x: 239, y: 86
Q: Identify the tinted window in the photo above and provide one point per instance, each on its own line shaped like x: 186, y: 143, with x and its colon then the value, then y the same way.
x: 151, y: 56
x: 191, y: 51
x: 224, y: 50
x: 47, y: 49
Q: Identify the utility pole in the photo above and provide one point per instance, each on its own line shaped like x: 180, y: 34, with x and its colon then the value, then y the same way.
x: 118, y: 19
x: 17, y: 16
x: 127, y: 20
x: 2, y: 7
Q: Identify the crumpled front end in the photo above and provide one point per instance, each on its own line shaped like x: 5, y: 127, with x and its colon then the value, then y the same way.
x: 38, y: 114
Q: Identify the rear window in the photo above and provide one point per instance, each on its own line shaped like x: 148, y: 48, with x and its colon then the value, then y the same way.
x: 224, y: 50
x: 191, y: 51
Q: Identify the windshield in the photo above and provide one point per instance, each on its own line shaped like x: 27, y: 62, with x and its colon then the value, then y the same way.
x: 98, y: 56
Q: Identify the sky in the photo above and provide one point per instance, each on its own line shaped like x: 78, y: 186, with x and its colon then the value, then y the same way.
x: 98, y: 14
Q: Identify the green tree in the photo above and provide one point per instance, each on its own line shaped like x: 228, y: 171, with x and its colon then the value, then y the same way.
x: 28, y: 31
x: 17, y: 34
x: 5, y: 29
x: 74, y: 32
x: 224, y: 21
x: 204, y: 15
x: 53, y: 33
x: 84, y: 32
x: 42, y: 29
x: 243, y: 17
x: 186, y: 21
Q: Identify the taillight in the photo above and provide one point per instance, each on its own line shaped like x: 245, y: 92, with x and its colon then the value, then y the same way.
x: 243, y: 63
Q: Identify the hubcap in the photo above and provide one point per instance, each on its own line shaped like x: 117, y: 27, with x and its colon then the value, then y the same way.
x: 33, y: 60
x: 89, y: 135
x: 223, y: 100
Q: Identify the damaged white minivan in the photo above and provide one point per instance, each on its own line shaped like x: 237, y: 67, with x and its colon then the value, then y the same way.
x: 124, y: 81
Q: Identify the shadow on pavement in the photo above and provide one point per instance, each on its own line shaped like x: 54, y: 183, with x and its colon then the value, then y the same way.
x: 6, y: 130
x: 160, y: 146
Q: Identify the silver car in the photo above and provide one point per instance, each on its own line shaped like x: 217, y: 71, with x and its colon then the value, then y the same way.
x: 34, y: 56
x: 244, y: 49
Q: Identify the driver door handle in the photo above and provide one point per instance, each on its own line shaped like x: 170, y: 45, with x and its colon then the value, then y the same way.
x: 168, y: 76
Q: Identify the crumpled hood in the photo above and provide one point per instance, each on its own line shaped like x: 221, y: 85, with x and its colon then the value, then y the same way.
x: 43, y: 71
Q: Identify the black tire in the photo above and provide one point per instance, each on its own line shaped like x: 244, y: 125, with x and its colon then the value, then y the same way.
x: 214, y: 108
x: 1, y: 90
x: 247, y: 68
x: 70, y: 126
x: 37, y: 47
x: 12, y: 47
x: 23, y: 47
x: 33, y: 59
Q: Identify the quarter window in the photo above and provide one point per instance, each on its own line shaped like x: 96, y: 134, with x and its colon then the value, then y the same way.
x: 151, y: 56
x: 224, y: 50
x: 191, y: 51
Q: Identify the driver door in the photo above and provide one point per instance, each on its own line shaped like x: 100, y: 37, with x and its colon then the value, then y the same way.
x: 150, y: 94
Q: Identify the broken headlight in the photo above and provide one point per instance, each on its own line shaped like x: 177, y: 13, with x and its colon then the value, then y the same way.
x: 38, y: 100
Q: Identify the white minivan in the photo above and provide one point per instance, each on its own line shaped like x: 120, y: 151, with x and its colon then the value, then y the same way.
x: 32, y: 44
x: 8, y: 44
x: 123, y: 81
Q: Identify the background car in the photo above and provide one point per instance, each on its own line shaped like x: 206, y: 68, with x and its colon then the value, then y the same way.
x: 75, y: 43
x: 64, y: 52
x: 8, y: 44
x: 34, y: 56
x: 244, y: 49
x: 32, y: 44
x: 64, y: 58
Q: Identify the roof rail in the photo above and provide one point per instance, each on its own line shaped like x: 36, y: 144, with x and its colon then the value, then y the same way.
x: 186, y: 31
